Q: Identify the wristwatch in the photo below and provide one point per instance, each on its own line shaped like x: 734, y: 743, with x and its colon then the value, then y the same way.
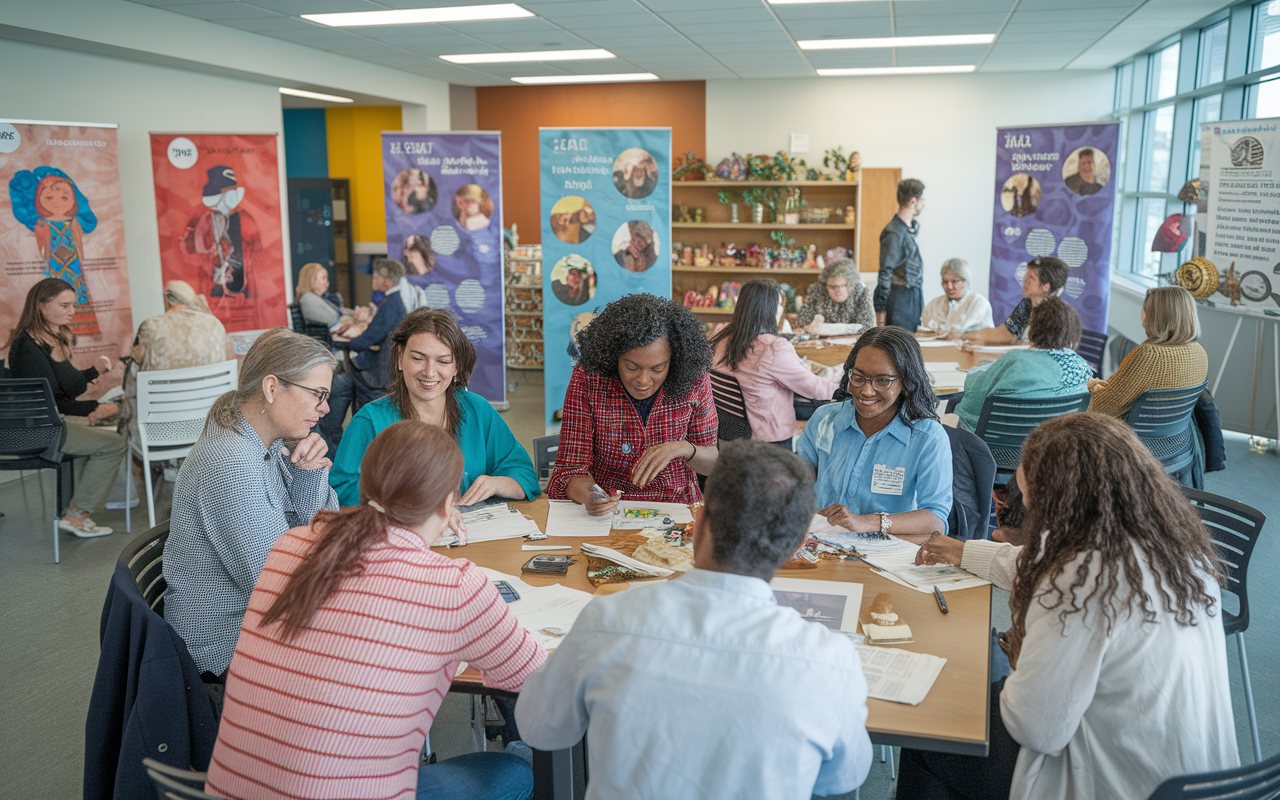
x: 885, y: 523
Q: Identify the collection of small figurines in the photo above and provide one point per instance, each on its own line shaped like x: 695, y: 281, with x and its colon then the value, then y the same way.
x: 692, y: 214
x: 690, y: 168
x: 785, y: 255
x: 778, y: 167
x: 726, y: 296
x: 846, y: 167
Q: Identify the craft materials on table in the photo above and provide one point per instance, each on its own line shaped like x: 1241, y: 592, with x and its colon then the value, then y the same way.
x: 899, y: 676
x: 882, y: 625
x: 638, y: 515
x: 567, y: 518
x: 834, y: 604
x: 606, y: 565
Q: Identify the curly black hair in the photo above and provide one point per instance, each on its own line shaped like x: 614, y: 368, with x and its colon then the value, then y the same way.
x: 639, y: 320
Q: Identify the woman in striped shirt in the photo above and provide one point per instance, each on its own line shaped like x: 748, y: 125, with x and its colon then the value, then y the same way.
x: 352, y: 637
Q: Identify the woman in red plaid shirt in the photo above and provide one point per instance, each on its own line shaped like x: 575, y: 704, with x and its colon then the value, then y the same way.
x: 639, y: 419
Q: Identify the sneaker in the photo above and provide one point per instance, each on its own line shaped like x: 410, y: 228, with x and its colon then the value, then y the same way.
x: 82, y: 526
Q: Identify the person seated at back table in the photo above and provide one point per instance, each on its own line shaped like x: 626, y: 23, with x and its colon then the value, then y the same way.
x: 1046, y: 277
x: 319, y: 306
x: 639, y: 418
x: 1170, y: 358
x: 704, y: 686
x: 373, y: 367
x: 1051, y: 368
x: 883, y: 459
x: 765, y: 364
x: 352, y: 637
x: 959, y: 309
x: 241, y: 487
x: 838, y: 296
x: 431, y: 364
x: 1119, y: 659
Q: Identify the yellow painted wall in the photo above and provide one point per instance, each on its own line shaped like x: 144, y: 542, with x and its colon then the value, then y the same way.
x: 355, y: 153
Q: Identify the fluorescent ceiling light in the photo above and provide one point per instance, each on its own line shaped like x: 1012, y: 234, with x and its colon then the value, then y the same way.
x: 332, y: 98
x: 418, y: 16
x: 833, y: 73
x: 896, y: 41
x: 798, y: 2
x: 545, y: 55
x: 615, y: 78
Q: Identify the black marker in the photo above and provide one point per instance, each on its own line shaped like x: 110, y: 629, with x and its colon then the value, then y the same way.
x: 942, y: 604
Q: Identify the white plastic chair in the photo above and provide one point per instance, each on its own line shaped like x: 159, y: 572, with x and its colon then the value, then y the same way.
x: 172, y: 406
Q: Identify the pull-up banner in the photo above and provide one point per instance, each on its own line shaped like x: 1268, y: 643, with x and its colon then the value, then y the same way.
x: 1055, y: 196
x: 444, y: 223
x: 606, y: 232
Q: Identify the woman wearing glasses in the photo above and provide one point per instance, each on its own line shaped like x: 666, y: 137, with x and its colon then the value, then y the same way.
x: 242, y: 486
x: 883, y: 459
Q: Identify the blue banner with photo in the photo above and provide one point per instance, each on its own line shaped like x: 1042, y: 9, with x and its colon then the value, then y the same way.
x: 606, y: 232
x: 444, y: 223
x: 1055, y: 196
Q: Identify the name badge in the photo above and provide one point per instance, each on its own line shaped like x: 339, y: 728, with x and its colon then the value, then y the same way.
x: 888, y: 480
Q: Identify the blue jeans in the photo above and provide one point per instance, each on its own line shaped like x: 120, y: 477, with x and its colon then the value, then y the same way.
x: 476, y: 776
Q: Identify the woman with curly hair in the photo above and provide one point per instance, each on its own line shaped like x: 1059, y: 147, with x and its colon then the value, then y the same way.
x: 638, y: 414
x: 838, y: 296
x: 883, y: 459
x: 1119, y: 660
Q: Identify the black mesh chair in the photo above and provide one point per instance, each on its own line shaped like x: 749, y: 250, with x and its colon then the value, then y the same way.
x: 731, y: 407
x: 1260, y: 781
x: 32, y: 438
x: 1092, y: 346
x: 1162, y: 420
x: 144, y: 556
x: 544, y: 457
x: 1235, y: 528
x: 300, y: 325
x: 1006, y: 422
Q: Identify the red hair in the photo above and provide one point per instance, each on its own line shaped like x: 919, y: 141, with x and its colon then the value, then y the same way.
x: 48, y: 181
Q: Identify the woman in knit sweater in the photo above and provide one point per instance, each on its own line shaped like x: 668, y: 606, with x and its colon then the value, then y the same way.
x: 1051, y: 368
x: 838, y: 296
x: 1170, y: 358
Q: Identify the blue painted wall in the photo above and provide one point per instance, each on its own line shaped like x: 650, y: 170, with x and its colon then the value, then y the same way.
x: 306, y: 143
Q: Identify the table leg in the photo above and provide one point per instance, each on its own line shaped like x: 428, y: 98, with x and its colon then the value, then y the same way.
x: 559, y: 774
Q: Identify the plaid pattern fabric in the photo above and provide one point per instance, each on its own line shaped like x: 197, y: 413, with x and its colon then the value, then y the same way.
x: 602, y: 436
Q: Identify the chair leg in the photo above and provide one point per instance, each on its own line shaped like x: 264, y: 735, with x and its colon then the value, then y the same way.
x: 151, y: 500
x: 1248, y: 698
x: 127, y: 466
x: 57, y: 557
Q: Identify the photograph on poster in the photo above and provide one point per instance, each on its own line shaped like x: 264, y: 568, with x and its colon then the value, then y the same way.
x: 413, y: 191
x: 825, y: 609
x: 472, y: 207
x: 1020, y: 195
x: 573, y: 219
x: 1086, y: 170
x: 635, y: 246
x: 573, y: 280
x: 635, y: 173
x: 417, y: 256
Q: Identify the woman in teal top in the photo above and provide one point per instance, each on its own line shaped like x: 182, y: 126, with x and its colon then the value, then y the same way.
x: 431, y: 362
x: 1050, y: 368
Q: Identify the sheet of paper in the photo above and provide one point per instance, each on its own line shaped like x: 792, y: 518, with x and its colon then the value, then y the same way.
x: 497, y: 522
x: 944, y: 576
x: 897, y: 675
x: 891, y: 556
x: 937, y: 343
x: 843, y: 341
x: 548, y: 612
x: 637, y: 515
x: 567, y: 518
x: 834, y: 604
x: 545, y: 547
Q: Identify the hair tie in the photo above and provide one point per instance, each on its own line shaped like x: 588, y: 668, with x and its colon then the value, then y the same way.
x: 376, y: 506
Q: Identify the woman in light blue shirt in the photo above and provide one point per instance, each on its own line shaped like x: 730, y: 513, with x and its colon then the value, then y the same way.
x: 883, y: 459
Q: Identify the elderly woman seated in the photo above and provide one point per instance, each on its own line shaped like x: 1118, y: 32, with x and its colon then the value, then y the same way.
x: 959, y: 309
x: 838, y: 296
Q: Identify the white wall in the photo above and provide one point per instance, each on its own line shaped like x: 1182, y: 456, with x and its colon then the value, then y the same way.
x: 938, y: 128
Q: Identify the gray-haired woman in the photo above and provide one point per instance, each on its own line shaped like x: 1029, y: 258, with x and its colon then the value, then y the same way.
x: 838, y: 296
x: 242, y: 486
x: 959, y: 309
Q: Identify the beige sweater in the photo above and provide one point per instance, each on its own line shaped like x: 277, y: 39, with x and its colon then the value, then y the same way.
x: 1149, y: 366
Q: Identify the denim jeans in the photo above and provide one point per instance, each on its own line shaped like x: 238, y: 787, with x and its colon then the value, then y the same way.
x: 476, y: 776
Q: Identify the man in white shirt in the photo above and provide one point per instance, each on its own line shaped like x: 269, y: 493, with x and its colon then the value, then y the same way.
x: 959, y: 309
x: 703, y: 686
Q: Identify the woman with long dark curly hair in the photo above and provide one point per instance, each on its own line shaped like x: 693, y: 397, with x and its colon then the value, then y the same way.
x: 638, y: 414
x: 1119, y: 659
x: 903, y: 480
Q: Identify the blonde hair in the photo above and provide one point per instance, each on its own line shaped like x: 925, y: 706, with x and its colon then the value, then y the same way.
x: 180, y: 293
x: 1171, y: 316
x: 306, y: 280
x: 280, y: 352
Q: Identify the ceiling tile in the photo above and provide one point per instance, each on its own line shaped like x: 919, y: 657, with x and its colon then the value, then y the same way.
x: 216, y: 12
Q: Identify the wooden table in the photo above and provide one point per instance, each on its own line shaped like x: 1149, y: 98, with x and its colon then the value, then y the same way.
x: 830, y: 355
x: 951, y: 719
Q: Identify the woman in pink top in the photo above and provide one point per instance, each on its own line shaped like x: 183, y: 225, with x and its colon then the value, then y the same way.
x: 765, y: 364
x: 352, y: 637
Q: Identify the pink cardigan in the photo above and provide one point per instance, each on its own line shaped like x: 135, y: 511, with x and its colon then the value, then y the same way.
x: 771, y: 375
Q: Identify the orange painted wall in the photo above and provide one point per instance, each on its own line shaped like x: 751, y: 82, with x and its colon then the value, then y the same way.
x: 518, y: 111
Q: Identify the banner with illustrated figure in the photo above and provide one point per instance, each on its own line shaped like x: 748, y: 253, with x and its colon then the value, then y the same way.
x: 606, y: 232
x: 1055, y: 196
x: 444, y: 223
x: 62, y: 217
x: 218, y: 209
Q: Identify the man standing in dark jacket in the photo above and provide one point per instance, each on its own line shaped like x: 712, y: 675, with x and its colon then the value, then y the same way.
x: 899, y: 296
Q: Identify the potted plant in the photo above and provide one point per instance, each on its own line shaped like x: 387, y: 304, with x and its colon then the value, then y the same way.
x: 837, y: 160
x: 731, y: 199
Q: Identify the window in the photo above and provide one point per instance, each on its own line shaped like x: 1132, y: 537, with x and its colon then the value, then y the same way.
x: 1264, y: 99
x: 1157, y: 144
x: 1124, y: 87
x: 1213, y: 55
x: 1162, y: 72
x: 1207, y: 109
x: 1266, y: 36
x: 1151, y: 213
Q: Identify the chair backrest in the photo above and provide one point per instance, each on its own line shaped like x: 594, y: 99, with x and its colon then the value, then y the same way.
x: 144, y: 556
x: 731, y: 407
x: 175, y: 784
x: 1235, y: 528
x: 973, y: 477
x: 1259, y: 781
x: 299, y: 324
x: 544, y: 457
x: 1160, y: 413
x: 29, y: 419
x: 296, y: 320
x: 1092, y: 346
x: 173, y: 403
x: 1006, y: 422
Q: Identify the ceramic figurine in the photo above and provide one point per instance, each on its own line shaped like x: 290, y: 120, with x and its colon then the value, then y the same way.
x: 849, y: 215
x: 811, y: 259
x: 686, y: 259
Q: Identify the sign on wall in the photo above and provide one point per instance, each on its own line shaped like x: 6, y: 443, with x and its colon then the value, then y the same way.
x: 444, y: 223
x: 62, y: 217
x: 218, y: 212
x: 1055, y: 196
x: 606, y: 232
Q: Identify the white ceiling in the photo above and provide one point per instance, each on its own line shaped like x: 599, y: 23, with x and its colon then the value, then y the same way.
x: 721, y: 39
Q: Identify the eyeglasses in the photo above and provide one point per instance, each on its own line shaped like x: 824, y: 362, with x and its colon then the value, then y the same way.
x: 880, y: 383
x: 835, y: 287
x: 321, y: 394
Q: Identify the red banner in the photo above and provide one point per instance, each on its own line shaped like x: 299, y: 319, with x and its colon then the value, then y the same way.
x: 218, y: 209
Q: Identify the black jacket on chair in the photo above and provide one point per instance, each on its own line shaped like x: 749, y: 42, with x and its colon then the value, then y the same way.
x: 148, y: 700
x: 973, y: 474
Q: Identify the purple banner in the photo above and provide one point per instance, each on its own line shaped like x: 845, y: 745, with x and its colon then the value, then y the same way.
x: 444, y: 223
x: 1055, y: 196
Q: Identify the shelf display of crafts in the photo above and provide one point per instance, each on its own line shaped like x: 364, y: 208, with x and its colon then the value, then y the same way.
x: 882, y: 625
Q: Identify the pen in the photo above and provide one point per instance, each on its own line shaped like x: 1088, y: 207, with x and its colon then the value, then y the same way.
x: 942, y: 604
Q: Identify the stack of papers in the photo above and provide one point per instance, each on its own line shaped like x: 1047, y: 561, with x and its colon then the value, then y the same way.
x: 546, y: 612
x: 896, y: 559
x: 898, y: 676
x: 567, y: 518
x: 498, y: 521
x: 946, y: 374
